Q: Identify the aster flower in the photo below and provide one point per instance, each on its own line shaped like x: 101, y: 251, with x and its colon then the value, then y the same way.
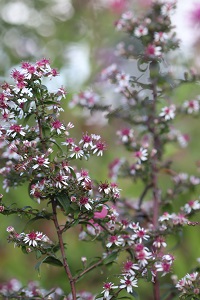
x: 77, y: 152
x: 41, y: 161
x: 107, y: 287
x: 141, y: 30
x: 57, y: 126
x: 86, y: 202
x: 141, y: 155
x: 140, y: 234
x: 168, y: 112
x: 114, y: 240
x: 33, y: 238
x: 16, y: 129
x: 191, y: 106
x: 128, y: 283
x: 125, y: 135
x: 191, y: 205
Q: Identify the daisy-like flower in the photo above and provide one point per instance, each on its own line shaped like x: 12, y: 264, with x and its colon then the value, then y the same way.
x: 57, y: 126
x: 141, y: 30
x: 60, y: 180
x: 141, y: 155
x: 114, y: 240
x: 191, y: 106
x: 191, y: 205
x: 41, y: 161
x: 32, y: 238
x: 128, y: 283
x: 141, y: 234
x: 165, y: 217
x: 86, y: 141
x: 129, y: 268
x: 104, y: 187
x: 122, y: 81
x: 99, y: 148
x: 83, y: 175
x: 168, y: 7
x: 159, y: 242
x: 107, y: 287
x: 16, y: 129
x: 125, y: 135
x: 168, y: 112
x: 77, y: 152
x: 160, y: 36
x: 85, y: 201
x: 153, y: 51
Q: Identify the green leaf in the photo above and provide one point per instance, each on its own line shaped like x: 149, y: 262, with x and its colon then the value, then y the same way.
x: 51, y: 260
x: 110, y: 258
x: 64, y: 202
x: 38, y: 254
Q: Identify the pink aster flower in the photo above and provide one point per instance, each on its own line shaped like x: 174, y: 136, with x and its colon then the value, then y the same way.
x: 128, y: 283
x: 85, y: 201
x: 159, y: 242
x: 153, y: 51
x: 141, y: 155
x: 122, y: 81
x: 99, y: 148
x: 16, y: 129
x: 41, y: 161
x: 60, y: 180
x: 57, y: 126
x: 191, y: 106
x: 125, y: 135
x: 168, y: 112
x: 86, y: 141
x: 140, y: 234
x: 77, y: 152
x: 141, y: 30
x: 107, y: 287
x: 114, y: 240
x: 129, y: 268
x: 191, y: 205
x: 32, y: 238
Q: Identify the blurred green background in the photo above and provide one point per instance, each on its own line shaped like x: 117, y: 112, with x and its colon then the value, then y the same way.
x: 79, y: 39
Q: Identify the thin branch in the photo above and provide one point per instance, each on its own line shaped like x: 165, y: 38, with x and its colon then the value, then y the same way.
x: 65, y: 263
x: 88, y: 269
x: 144, y: 194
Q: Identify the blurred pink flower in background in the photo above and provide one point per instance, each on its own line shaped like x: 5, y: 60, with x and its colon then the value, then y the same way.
x: 195, y: 15
x: 118, y: 6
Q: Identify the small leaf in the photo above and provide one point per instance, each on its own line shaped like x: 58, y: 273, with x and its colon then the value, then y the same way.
x: 51, y: 260
x: 64, y: 202
x: 38, y: 254
x: 110, y: 258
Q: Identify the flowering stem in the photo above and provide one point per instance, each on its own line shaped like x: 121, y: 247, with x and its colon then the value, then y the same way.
x: 154, y: 170
x: 62, y: 250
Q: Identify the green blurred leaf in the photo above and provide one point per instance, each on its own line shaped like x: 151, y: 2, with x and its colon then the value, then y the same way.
x: 64, y: 201
x: 110, y: 258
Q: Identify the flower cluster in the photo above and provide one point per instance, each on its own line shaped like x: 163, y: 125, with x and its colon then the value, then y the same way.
x: 189, y: 284
x: 153, y: 30
x: 14, y: 288
x: 30, y: 241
